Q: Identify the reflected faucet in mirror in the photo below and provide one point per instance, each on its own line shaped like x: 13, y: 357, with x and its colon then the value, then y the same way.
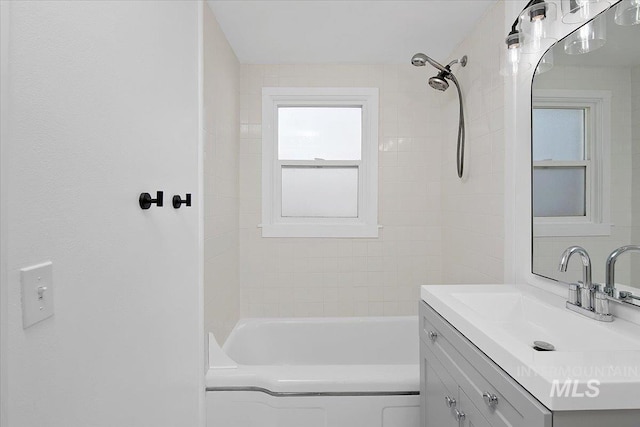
x: 610, y: 283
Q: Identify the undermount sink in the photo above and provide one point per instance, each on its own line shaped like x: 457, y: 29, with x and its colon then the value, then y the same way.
x: 526, y: 318
x: 504, y: 321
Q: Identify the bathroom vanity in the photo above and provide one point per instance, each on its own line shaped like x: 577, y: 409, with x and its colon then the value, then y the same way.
x: 460, y: 383
x: 479, y: 368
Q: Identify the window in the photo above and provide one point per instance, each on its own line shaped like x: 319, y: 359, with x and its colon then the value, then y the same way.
x: 319, y: 162
x: 570, y: 154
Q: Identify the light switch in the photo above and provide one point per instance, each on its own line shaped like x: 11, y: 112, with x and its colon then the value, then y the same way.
x: 37, y: 293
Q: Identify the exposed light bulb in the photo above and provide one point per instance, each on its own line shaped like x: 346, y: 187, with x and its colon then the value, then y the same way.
x: 537, y: 33
x: 535, y: 24
x: 584, y: 10
x: 513, y: 55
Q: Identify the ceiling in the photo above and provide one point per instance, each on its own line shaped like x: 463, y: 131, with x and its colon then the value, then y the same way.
x: 345, y: 31
x: 622, y: 48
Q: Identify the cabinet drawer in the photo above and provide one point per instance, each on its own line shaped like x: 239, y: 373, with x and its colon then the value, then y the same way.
x: 477, y: 375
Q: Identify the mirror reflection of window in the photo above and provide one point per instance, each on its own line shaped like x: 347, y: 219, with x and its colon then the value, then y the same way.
x: 560, y: 162
x: 571, y: 147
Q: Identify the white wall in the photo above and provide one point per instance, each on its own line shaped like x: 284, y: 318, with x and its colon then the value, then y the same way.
x: 103, y: 104
x: 547, y: 250
x: 221, y: 175
x: 473, y: 208
x: 424, y: 209
x: 343, y: 277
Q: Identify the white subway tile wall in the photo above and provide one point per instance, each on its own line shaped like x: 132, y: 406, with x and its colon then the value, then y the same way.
x: 221, y: 151
x: 425, y: 211
x: 346, y: 277
x: 473, y: 208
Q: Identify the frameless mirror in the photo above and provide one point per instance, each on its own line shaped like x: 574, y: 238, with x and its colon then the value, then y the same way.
x: 586, y: 154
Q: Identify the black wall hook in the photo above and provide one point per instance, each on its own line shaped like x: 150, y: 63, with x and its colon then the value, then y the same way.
x: 177, y: 201
x: 146, y: 201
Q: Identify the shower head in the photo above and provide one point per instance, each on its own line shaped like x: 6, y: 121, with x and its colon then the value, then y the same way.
x: 438, y: 82
x: 420, y: 60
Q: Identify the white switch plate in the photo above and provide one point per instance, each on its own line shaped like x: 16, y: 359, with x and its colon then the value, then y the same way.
x: 37, y: 293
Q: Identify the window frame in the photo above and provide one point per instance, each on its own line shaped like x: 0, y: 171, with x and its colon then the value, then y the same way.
x: 597, y: 164
x: 366, y: 223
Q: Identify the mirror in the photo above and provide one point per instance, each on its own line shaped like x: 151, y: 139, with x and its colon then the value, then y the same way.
x: 586, y: 154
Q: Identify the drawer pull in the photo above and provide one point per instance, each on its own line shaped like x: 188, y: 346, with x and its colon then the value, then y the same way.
x: 433, y: 335
x: 490, y: 399
x: 450, y: 401
x: 460, y: 416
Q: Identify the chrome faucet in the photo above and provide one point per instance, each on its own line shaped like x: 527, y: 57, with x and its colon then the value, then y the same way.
x: 584, y: 298
x: 610, y: 281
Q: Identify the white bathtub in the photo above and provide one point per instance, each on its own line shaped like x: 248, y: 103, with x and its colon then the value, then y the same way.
x: 320, y: 372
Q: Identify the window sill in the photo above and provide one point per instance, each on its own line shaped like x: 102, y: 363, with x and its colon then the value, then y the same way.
x: 320, y: 230
x: 568, y: 229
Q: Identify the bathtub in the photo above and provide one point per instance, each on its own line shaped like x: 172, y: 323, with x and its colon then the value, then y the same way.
x: 316, y: 372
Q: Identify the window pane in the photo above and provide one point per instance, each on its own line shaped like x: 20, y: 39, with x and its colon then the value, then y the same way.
x: 329, y: 133
x: 320, y: 192
x: 558, y: 134
x: 559, y: 191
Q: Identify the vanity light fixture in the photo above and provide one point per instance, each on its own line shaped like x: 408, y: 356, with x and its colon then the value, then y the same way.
x: 528, y: 33
x: 587, y: 38
x: 535, y: 24
x: 628, y: 12
x: 511, y: 60
x: 578, y: 11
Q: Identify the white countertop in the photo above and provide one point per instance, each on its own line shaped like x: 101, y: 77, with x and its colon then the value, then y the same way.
x: 602, y: 360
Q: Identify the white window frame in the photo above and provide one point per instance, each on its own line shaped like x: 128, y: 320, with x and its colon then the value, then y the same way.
x: 597, y: 221
x: 273, y: 223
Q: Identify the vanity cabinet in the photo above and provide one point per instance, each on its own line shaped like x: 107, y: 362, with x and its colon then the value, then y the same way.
x: 445, y: 406
x: 461, y: 387
x: 457, y: 378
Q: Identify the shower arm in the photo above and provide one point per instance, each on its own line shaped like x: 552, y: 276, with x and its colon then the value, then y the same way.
x: 438, y: 65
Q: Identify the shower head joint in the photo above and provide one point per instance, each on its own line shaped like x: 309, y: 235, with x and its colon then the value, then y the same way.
x: 420, y: 60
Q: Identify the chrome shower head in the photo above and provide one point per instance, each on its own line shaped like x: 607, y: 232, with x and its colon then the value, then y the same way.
x: 420, y: 60
x: 438, y: 82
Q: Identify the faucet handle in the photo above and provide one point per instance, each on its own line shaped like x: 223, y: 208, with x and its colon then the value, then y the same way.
x: 587, y: 298
x: 585, y: 295
x: 601, y: 303
x: 574, y: 294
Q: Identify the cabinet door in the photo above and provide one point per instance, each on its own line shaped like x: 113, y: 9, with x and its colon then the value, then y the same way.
x: 472, y: 415
x: 433, y: 393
